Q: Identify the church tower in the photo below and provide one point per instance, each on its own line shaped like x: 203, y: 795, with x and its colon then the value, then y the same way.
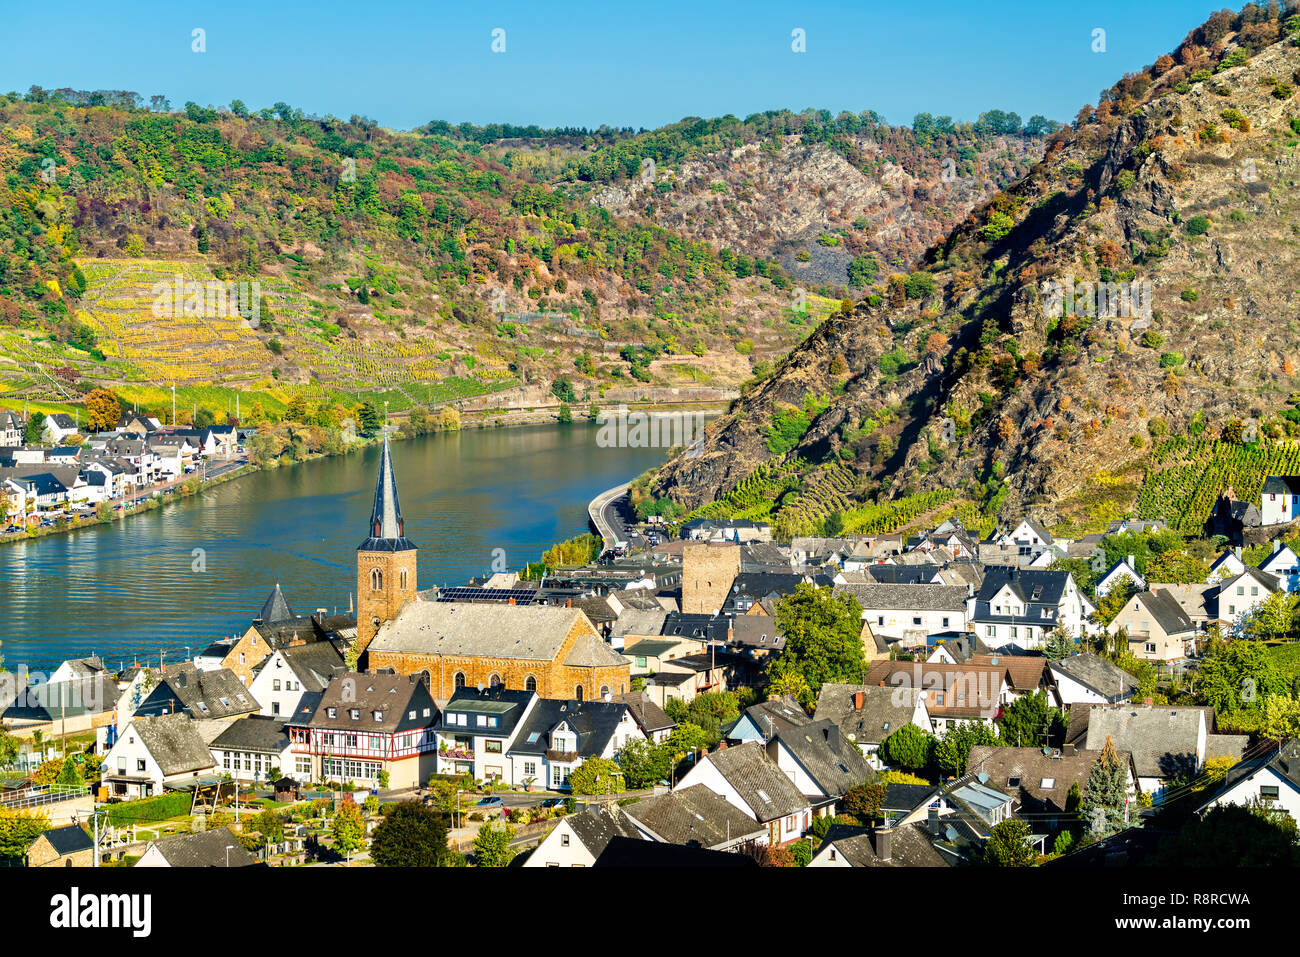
x: 385, y: 560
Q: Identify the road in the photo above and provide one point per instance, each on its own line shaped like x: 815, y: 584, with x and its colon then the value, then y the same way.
x: 609, y: 513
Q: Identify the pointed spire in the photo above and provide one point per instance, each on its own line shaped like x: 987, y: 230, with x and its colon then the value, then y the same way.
x: 387, y: 528
x: 276, y: 607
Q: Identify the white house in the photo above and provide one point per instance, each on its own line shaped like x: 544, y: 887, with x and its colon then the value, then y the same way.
x: 747, y: 779
x: 1273, y: 779
x: 1228, y: 565
x: 1090, y: 679
x: 59, y: 426
x: 1284, y: 565
x: 1239, y: 596
x: 1021, y: 606
x: 910, y: 613
x: 476, y: 731
x: 288, y: 675
x: 1280, y: 499
x: 579, y: 838
x: 153, y: 753
x: 555, y: 737
x: 1123, y: 569
x: 253, y: 749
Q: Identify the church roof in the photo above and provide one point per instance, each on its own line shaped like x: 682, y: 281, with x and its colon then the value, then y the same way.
x: 387, y: 528
x: 276, y: 607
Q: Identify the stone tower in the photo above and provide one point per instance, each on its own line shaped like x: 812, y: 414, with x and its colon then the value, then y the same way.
x: 708, y: 572
x: 385, y: 560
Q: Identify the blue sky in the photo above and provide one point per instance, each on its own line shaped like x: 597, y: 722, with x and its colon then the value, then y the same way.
x: 586, y: 63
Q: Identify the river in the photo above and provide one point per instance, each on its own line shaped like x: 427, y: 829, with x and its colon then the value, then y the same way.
x: 131, y: 588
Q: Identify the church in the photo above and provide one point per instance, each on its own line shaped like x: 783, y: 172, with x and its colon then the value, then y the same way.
x: 556, y: 652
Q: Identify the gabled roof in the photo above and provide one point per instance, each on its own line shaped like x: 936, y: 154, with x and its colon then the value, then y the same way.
x: 694, y: 815
x: 592, y: 722
x: 215, y: 848
x: 1165, y: 611
x: 253, y: 732
x: 777, y: 714
x: 909, y: 597
x: 595, y: 827
x: 69, y: 839
x: 204, y: 694
x: 534, y: 632
x: 1040, y: 782
x: 1028, y: 672
x: 909, y: 846
x: 834, y: 763
x: 314, y: 664
x: 1164, y: 740
x: 866, y: 714
x: 1098, y: 675
x: 760, y: 784
x: 174, y: 742
x: 1283, y: 761
x: 393, y: 696
x: 648, y: 715
x: 1281, y: 485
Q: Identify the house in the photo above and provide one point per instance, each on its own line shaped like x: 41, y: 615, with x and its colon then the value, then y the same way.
x: 627, y: 854
x: 253, y: 748
x: 558, y: 736
x: 1039, y: 780
x: 282, y: 680
x: 67, y: 706
x: 215, y: 848
x: 12, y: 430
x: 1021, y: 606
x: 694, y: 817
x: 1228, y: 565
x: 367, y: 729
x: 1166, y: 743
x: 867, y: 714
x: 754, y: 634
x: 1031, y: 538
x: 1026, y: 674
x: 953, y: 693
x: 649, y: 717
x: 580, y: 838
x: 1157, y: 627
x: 476, y: 730
x: 217, y: 695
x: 822, y: 763
x: 1123, y: 570
x: 1236, y: 598
x: 1272, y: 779
x: 764, y: 720
x: 1231, y: 517
x: 910, y: 612
x: 156, y: 753
x: 67, y: 846
x: 906, y: 845
x: 1090, y: 679
x: 974, y: 807
x: 1284, y: 565
x: 748, y: 779
x: 59, y: 426
x: 1279, y: 499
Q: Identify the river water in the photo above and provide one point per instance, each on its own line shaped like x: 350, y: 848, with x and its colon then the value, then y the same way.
x: 131, y: 588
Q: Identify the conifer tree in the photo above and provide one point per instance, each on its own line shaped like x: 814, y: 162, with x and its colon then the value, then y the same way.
x: 1104, y: 796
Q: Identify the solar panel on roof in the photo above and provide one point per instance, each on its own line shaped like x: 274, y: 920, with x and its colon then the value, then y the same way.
x: 521, y: 596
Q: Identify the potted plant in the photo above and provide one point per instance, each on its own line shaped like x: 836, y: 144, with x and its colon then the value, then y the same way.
x: 528, y: 784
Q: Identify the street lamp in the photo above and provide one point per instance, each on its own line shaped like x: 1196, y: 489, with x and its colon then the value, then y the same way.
x: 229, y: 848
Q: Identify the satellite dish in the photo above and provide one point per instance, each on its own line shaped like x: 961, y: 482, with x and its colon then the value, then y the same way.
x: 950, y: 833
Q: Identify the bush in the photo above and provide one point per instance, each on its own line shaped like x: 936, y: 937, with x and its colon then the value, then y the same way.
x: 1198, y: 225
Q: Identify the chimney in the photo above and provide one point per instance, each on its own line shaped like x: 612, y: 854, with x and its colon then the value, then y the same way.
x: 1068, y: 750
x: 1132, y: 562
x: 882, y: 835
x: 933, y: 822
x: 510, y: 601
x: 1147, y: 701
x: 859, y: 700
x: 1277, y: 545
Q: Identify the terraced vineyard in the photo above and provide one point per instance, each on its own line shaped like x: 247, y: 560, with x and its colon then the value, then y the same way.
x: 756, y: 495
x: 887, y: 517
x: 825, y: 491
x: 1185, y: 477
x: 198, y: 350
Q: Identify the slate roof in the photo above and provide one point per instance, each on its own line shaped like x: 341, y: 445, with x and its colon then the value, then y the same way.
x: 204, y: 849
x: 1166, y: 611
x: 648, y: 715
x: 694, y: 815
x: 1285, y: 761
x: 254, y: 732
x: 761, y: 785
x: 950, y: 598
x: 909, y: 846
x: 505, y: 704
x: 174, y: 742
x: 69, y: 839
x: 47, y: 701
x: 204, y: 694
x: 899, y: 574
x: 1226, y: 746
x: 1163, y: 740
x: 883, y: 711
x: 970, y: 691
x: 776, y: 715
x: 593, y: 722
x: 1040, y: 589
x: 394, y: 696
x: 1281, y: 485
x: 1097, y: 674
x: 1031, y: 771
x: 533, y: 632
x: 387, y: 532
x: 755, y: 631
x: 594, y: 827
x: 627, y: 852
x: 833, y: 761
x: 639, y: 621
x: 276, y: 607
x: 314, y: 664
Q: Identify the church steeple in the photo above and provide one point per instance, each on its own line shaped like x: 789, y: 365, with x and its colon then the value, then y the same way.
x: 385, y: 560
x: 387, y: 527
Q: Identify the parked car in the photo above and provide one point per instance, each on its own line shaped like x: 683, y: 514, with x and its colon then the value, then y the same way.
x: 551, y: 803
x: 488, y: 803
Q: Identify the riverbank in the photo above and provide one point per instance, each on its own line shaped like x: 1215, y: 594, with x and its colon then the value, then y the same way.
x: 490, y: 419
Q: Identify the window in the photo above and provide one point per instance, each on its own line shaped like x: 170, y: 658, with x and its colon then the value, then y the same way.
x: 1013, y: 782
x: 916, y: 619
x: 640, y: 662
x: 990, y: 631
x: 275, y: 685
x: 139, y: 764
x: 332, y: 712
x: 530, y: 769
x: 411, y: 714
x: 275, y: 707
x: 403, y: 579
x: 494, y: 679
x: 945, y: 624
x: 577, y: 692
x: 564, y: 840
x: 459, y: 680
x: 604, y: 690
x: 354, y: 714
x: 379, y: 716
x: 1048, y: 784
x: 1268, y: 792
x: 376, y: 579
x: 530, y: 683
